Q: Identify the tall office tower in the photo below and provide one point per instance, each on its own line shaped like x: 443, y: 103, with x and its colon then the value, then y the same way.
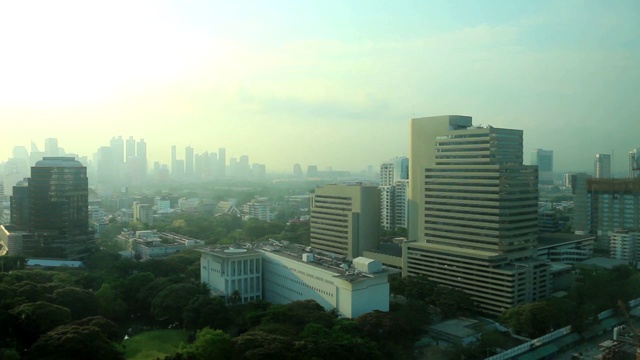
x: 130, y: 148
x: 141, y: 153
x: 544, y: 160
x: 51, y: 147
x: 214, y: 165
x: 258, y: 171
x: 233, y: 166
x: 401, y: 199
x: 602, y: 166
x: 15, y: 169
x: 312, y: 171
x: 117, y: 148
x: 178, y: 170
x: 173, y: 161
x: 201, y: 166
x: 606, y: 205
x: 188, y: 162
x: 19, y: 204
x: 105, y: 165
x: 391, y: 172
x: 394, y: 170
x: 634, y: 163
x: 117, y: 153
x: 58, y: 210
x: 244, y: 169
x: 222, y: 163
x: 20, y: 152
x: 297, y: 171
x: 474, y: 212
x: 582, y: 204
x: 345, y: 219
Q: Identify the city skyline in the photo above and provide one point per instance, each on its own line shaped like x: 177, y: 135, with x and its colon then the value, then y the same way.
x: 280, y: 81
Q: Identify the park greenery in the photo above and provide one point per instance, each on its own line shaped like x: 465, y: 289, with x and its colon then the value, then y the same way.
x: 87, y: 312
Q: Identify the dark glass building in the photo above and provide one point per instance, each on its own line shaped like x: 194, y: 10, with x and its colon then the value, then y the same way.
x: 57, y: 213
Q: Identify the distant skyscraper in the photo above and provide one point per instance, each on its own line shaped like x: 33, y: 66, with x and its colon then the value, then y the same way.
x: 222, y: 163
x: 142, y: 155
x: 174, y: 158
x: 390, y: 173
x: 188, y: 162
x: 474, y: 212
x: 297, y: 171
x: 58, y: 210
x: 51, y: 147
x: 117, y: 153
x: 602, y: 167
x: 105, y: 165
x: 312, y: 171
x: 634, y: 163
x: 345, y: 219
x: 243, y: 170
x: 544, y: 160
x: 130, y: 149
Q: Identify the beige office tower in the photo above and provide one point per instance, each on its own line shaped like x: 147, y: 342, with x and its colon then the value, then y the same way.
x: 473, y: 212
x: 345, y: 219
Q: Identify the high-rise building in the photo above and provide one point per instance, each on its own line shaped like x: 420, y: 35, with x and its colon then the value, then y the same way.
x: 602, y: 166
x: 188, y: 162
x: 544, y: 160
x: 173, y: 161
x: 141, y: 154
x: 142, y: 213
x: 57, y: 214
x: 130, y: 148
x: 297, y: 171
x: 605, y: 205
x: 634, y: 163
x: 474, y: 212
x: 391, y: 172
x: 222, y: 163
x: 345, y: 219
x: 51, y: 147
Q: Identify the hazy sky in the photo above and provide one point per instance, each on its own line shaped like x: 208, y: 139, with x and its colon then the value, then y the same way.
x: 319, y: 82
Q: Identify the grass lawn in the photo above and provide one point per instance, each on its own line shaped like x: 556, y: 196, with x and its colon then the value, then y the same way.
x: 151, y: 345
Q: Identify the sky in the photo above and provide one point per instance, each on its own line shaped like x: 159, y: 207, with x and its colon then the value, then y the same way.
x: 328, y: 83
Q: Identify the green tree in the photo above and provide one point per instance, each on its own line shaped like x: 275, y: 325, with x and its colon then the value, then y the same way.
x: 73, y: 341
x: 109, y: 305
x: 210, y: 344
x: 81, y: 303
x: 204, y: 311
x: 168, y: 305
x: 35, y: 319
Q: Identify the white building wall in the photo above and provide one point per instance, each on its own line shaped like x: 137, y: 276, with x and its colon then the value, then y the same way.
x: 286, y: 280
x: 225, y: 274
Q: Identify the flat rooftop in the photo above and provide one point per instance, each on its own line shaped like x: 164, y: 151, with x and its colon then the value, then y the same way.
x: 339, y: 266
x: 545, y: 240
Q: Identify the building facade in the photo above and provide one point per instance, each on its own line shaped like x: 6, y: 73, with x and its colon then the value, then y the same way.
x: 634, y: 163
x: 393, y: 173
x: 474, y: 212
x: 602, y: 166
x: 56, y: 199
x: 230, y: 270
x: 623, y: 245
x: 606, y: 205
x: 285, y: 273
x: 543, y: 159
x: 345, y: 219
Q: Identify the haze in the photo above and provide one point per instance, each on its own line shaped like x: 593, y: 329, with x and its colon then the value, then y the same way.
x: 330, y: 83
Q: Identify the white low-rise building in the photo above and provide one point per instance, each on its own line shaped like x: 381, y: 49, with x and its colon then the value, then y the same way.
x: 290, y: 273
x: 227, y: 270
